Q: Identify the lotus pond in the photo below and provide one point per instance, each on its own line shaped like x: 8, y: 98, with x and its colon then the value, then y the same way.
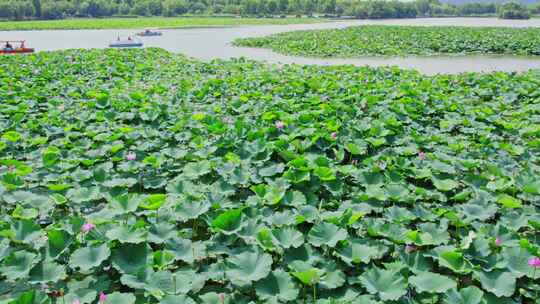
x: 383, y: 40
x: 139, y: 176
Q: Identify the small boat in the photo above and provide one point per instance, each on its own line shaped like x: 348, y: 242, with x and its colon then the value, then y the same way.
x: 149, y: 33
x: 126, y: 43
x: 6, y: 47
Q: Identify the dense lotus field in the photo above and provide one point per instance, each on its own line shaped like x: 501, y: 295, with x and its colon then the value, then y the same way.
x: 383, y: 40
x: 138, y: 176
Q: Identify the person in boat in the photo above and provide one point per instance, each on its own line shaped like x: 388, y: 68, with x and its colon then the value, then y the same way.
x: 8, y: 46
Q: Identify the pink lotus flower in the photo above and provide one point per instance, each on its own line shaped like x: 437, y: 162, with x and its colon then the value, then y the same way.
x: 102, y: 297
x: 534, y: 262
x: 222, y: 298
x: 333, y: 135
x: 421, y: 155
x: 280, y: 124
x: 131, y: 156
x: 76, y: 301
x: 87, y: 227
x: 498, y: 242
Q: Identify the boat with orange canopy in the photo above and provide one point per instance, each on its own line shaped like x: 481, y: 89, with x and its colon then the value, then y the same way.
x: 14, y: 47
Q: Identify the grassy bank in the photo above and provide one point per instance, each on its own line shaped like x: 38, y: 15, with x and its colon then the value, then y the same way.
x: 137, y: 23
x: 401, y: 40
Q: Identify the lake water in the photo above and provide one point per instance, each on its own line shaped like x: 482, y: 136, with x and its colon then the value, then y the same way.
x: 210, y: 43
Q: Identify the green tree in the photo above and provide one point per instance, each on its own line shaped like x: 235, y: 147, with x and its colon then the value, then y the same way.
x: 283, y: 5
x: 272, y: 7
x: 513, y: 10
x: 174, y: 7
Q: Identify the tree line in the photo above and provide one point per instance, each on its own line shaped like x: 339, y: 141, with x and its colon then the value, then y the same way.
x: 59, y: 9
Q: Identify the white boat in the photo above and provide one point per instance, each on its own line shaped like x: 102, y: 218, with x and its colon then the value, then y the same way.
x: 126, y: 43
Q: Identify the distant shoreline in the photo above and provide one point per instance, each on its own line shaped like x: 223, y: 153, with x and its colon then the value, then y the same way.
x: 184, y: 22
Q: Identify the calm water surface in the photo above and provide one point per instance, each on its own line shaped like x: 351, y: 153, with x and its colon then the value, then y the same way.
x: 210, y: 43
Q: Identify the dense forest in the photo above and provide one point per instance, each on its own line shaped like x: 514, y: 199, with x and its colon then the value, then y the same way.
x: 58, y: 9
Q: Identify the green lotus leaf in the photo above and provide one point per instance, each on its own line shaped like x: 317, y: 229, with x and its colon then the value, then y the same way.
x: 265, y: 239
x: 125, y: 203
x: 12, y: 136
x: 305, y: 253
x: 444, y: 184
x: 389, y: 285
x: 326, y: 234
x: 120, y: 182
x: 161, y: 281
x: 126, y: 234
x: 84, y: 295
x: 432, y: 282
x: 333, y: 277
x: 229, y: 222
x: 288, y: 237
x: 479, y: 210
x: 274, y: 194
x: 58, y: 241
x: 197, y: 169
x: 59, y: 198
x: 324, y: 173
x: 182, y: 249
x: 51, y: 157
x: 28, y: 297
x: 216, y: 298
x: 26, y: 231
x: 271, y: 170
x: 81, y: 195
x: 138, y: 279
x: 5, y: 249
x: 294, y: 198
x: 120, y: 298
x: 153, y: 201
x: 86, y: 258
x: 356, y: 148
x: 162, y: 259
x: 161, y: 232
x: 130, y: 258
x: 24, y: 213
x: 468, y: 295
x: 416, y: 261
x: 177, y: 299
x: 509, y: 202
x: 191, y: 209
x: 277, y: 287
x: 429, y: 234
x: 516, y: 259
x: 18, y: 264
x: 498, y: 282
x: 455, y: 261
x: 247, y: 267
x: 376, y: 192
x: 306, y: 274
x: 397, y: 192
x: 47, y: 271
x: 296, y: 176
x: 357, y: 251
